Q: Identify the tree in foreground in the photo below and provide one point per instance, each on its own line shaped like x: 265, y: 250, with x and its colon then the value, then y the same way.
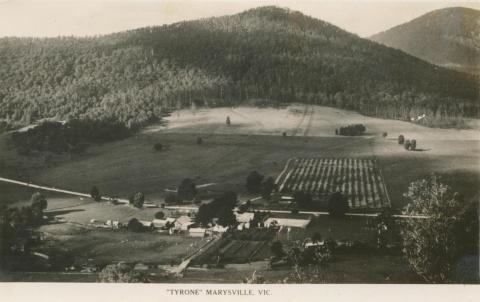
x: 121, y: 273
x: 254, y: 279
x: 433, y: 245
x: 95, y: 193
x: 337, y: 205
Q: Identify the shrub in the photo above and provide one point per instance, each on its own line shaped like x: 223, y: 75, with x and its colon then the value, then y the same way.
x: 137, y: 199
x: 351, y: 130
x: 277, y: 249
x: 267, y: 187
x: 227, y: 121
x: 186, y: 190
x: 384, y: 134
x: 159, y: 215
x: 135, y: 226
x: 39, y: 200
x: 120, y: 273
x: 284, y: 134
x: 95, y: 194
x: 302, y: 199
x: 413, y: 144
x: 401, y: 139
x: 171, y: 198
x: 158, y: 147
x: 199, y: 141
x: 337, y: 205
x: 407, y: 144
x: 254, y: 182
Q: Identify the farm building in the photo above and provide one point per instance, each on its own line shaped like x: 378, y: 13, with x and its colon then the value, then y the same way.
x: 288, y: 220
x: 161, y: 223
x: 183, y: 223
x: 243, y: 225
x: 197, y: 232
x: 286, y: 200
x: 244, y: 217
x: 150, y: 205
x: 185, y: 209
x: 146, y: 223
x: 218, y: 229
x: 113, y: 223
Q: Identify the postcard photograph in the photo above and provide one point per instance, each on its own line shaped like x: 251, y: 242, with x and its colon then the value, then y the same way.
x: 239, y: 142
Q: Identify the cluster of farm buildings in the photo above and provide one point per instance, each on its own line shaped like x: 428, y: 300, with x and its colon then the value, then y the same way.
x: 185, y: 224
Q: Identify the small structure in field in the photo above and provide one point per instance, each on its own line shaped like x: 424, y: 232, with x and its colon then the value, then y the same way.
x: 163, y: 223
x: 218, y: 229
x: 150, y: 205
x: 197, y: 232
x: 183, y: 223
x: 244, y: 217
x: 147, y: 224
x: 114, y: 224
x: 286, y: 199
x: 288, y: 220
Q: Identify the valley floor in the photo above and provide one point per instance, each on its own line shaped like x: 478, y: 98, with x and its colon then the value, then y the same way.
x: 253, y: 141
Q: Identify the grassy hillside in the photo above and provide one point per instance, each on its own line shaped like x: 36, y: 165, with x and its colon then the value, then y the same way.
x: 229, y: 153
x: 268, y: 55
x: 447, y: 37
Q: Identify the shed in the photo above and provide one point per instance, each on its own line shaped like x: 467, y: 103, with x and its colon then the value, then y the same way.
x: 197, y: 232
x: 161, y: 223
x: 244, y: 217
x: 183, y: 223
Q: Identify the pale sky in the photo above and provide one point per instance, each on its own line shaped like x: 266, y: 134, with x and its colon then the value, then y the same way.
x: 44, y: 18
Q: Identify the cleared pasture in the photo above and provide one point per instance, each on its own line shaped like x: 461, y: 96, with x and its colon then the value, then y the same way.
x: 229, y: 153
x: 106, y: 246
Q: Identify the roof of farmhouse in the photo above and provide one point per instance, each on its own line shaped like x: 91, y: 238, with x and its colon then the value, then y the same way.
x: 290, y: 216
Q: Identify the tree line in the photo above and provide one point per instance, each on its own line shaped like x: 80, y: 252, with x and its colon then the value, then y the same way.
x: 273, y: 54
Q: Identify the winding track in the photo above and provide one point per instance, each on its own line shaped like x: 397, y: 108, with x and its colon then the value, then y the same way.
x: 53, y: 189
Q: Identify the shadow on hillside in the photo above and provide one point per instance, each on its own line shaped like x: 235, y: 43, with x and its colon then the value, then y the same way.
x: 421, y: 150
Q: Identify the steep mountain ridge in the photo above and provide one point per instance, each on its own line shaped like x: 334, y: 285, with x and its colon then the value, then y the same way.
x: 270, y: 54
x: 447, y: 37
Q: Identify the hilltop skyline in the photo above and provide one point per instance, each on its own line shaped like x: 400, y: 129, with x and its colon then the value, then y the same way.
x: 50, y: 18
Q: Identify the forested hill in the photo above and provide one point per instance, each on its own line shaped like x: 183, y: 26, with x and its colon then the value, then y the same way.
x: 268, y: 53
x: 447, y: 37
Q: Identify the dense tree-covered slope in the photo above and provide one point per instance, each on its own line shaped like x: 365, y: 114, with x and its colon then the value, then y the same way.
x: 266, y: 53
x: 448, y: 37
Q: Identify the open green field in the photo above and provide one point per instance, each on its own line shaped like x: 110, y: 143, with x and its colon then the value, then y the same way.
x: 106, y: 246
x: 252, y: 142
